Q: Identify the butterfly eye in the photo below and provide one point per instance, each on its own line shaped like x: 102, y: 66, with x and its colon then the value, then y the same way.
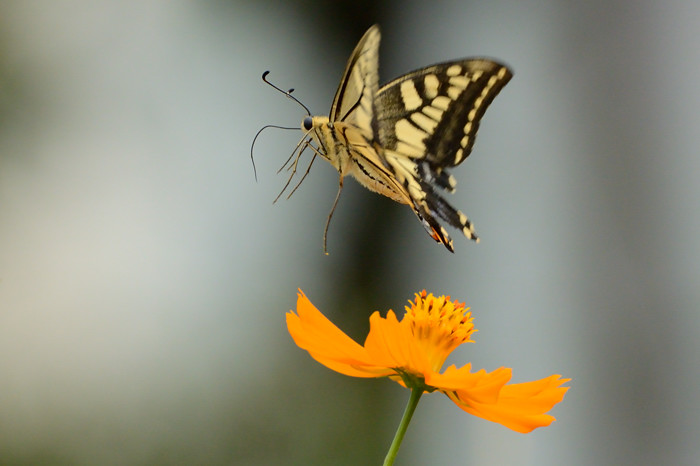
x: 308, y: 123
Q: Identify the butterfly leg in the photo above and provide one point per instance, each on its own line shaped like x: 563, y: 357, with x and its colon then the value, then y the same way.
x: 298, y: 150
x: 328, y: 222
x: 308, y: 169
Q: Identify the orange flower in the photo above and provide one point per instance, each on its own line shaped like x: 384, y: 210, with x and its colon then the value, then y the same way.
x: 412, y: 351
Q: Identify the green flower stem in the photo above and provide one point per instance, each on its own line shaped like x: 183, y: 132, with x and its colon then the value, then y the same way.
x: 403, y: 426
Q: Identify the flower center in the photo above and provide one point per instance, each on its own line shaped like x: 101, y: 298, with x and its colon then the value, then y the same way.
x: 439, y: 325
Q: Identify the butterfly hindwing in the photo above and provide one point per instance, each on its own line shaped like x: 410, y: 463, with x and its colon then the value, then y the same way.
x: 422, y: 184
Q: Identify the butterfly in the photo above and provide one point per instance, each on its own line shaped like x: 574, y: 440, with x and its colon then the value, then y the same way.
x: 399, y: 140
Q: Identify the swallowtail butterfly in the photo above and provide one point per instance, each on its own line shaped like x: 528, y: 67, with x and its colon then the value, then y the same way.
x: 399, y: 139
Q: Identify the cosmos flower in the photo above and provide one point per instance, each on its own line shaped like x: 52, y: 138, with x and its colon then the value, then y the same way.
x: 412, y: 351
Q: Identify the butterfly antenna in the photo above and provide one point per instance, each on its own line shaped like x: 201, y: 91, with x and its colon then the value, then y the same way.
x: 286, y: 93
x: 252, y: 146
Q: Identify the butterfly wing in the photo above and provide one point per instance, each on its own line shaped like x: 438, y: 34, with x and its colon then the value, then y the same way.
x: 434, y: 113
x: 427, y: 121
x: 354, y: 101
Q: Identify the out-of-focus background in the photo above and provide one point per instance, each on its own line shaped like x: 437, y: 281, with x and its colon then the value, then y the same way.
x: 144, y: 274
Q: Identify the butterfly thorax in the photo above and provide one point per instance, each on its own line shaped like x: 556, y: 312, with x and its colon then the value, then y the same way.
x: 345, y: 147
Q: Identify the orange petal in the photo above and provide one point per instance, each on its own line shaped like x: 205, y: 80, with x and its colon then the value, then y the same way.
x: 354, y: 370
x: 520, y: 407
x: 481, y: 386
x: 391, y: 344
x: 327, y: 344
x: 312, y: 331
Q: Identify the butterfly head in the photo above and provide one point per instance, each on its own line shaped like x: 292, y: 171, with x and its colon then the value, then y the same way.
x: 320, y: 131
x: 307, y: 124
x: 315, y: 123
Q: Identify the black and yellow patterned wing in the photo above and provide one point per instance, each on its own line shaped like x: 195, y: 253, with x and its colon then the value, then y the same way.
x: 434, y: 113
x: 426, y: 121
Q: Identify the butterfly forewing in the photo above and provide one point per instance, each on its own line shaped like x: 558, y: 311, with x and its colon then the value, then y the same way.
x: 354, y: 101
x: 434, y: 113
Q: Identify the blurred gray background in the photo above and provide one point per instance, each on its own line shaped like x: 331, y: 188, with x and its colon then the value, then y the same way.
x: 144, y: 274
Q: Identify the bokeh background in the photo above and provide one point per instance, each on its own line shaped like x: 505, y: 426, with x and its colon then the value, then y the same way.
x: 144, y: 274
